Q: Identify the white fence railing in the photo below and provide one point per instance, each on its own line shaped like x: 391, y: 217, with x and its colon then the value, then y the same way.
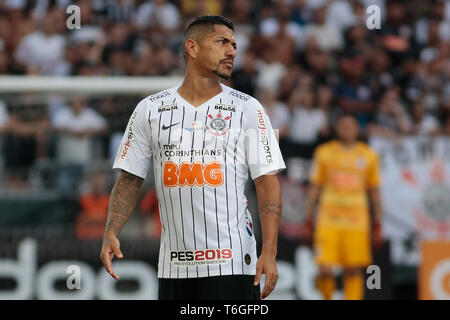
x: 87, y: 85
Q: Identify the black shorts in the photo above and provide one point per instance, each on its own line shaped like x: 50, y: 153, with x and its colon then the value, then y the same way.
x: 230, y: 287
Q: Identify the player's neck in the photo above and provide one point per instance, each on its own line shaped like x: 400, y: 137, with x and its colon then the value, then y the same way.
x: 197, y: 89
x: 347, y: 145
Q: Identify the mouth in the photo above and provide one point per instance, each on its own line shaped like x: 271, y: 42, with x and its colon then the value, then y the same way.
x: 228, y: 63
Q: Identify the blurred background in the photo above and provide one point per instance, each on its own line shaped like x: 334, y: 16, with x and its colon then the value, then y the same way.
x: 66, y: 96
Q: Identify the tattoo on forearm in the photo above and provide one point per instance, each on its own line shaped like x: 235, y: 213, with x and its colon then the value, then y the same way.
x: 271, y: 207
x: 124, y: 197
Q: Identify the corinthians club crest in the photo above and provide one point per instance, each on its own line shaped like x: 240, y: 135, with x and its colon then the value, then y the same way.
x: 217, y: 125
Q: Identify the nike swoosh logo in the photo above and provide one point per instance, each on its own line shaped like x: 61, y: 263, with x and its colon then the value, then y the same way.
x: 164, y: 127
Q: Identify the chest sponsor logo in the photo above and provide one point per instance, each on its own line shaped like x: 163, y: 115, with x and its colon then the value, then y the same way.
x: 196, y: 125
x: 192, y: 174
x: 225, y: 107
x: 168, y: 107
x: 218, y: 125
x: 127, y: 144
x: 175, y: 150
x: 263, y: 137
x: 200, y: 257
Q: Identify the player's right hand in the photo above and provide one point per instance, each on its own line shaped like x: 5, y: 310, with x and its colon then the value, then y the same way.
x: 307, y: 231
x: 110, y: 248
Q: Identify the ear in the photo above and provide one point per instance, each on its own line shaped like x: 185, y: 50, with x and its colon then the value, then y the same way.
x: 191, y: 47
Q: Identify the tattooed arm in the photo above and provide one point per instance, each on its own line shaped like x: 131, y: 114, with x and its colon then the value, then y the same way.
x: 124, y: 197
x: 269, y: 205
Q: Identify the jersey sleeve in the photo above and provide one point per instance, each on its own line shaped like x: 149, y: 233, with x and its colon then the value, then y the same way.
x: 317, y: 173
x: 373, y: 172
x: 262, y: 151
x: 134, y: 154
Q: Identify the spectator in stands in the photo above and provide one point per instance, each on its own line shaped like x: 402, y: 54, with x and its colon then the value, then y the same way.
x: 270, y: 70
x: 317, y: 62
x: 289, y: 82
x: 118, y: 10
x: 194, y: 8
x: 353, y: 92
x: 160, y: 15
x: 244, y: 79
x: 307, y: 121
x: 324, y: 102
x: 436, y: 17
x: 301, y: 13
x: 41, y: 50
x: 327, y: 36
x: 25, y: 141
x: 397, y: 34
x: 343, y: 14
x: 3, y: 58
x: 423, y: 123
x: 90, y: 222
x: 4, y: 116
x: 278, y: 112
x: 280, y: 23
x: 76, y: 126
x: 446, y: 126
x: 380, y: 77
x: 391, y: 119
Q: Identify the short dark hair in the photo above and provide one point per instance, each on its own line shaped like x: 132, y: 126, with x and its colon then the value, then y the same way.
x: 211, y: 20
x: 205, y: 23
x: 345, y: 114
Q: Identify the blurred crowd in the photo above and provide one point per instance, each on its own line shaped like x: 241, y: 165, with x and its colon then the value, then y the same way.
x: 305, y: 60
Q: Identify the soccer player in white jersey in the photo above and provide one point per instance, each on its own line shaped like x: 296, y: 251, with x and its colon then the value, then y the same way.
x: 202, y: 138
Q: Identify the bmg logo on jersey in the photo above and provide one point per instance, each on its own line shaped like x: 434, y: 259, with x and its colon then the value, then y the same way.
x: 200, y: 257
x: 192, y: 174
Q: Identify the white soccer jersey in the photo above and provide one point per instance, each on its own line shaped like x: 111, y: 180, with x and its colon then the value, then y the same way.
x: 201, y: 158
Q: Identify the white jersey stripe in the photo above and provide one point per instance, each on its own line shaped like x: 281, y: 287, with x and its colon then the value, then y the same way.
x: 203, y: 193
x: 192, y: 202
x: 226, y: 188
x: 236, y: 192
x: 170, y: 194
x: 163, y: 194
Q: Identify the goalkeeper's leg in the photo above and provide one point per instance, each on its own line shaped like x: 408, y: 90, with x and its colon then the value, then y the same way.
x: 353, y: 283
x: 325, y: 282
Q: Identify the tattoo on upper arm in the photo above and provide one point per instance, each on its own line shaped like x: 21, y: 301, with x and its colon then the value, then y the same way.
x: 124, y: 197
x: 271, y: 207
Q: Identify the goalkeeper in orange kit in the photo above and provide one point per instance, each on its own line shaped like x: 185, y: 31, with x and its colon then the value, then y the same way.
x: 344, y: 177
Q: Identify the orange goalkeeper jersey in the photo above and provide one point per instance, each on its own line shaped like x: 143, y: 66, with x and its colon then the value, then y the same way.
x: 345, y: 175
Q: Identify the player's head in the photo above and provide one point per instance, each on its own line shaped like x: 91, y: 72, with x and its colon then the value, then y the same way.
x: 347, y: 128
x: 209, y: 45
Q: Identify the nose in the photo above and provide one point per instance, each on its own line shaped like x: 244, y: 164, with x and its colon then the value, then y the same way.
x: 231, y: 52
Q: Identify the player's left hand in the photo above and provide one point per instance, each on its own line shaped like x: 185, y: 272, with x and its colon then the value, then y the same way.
x: 266, y: 265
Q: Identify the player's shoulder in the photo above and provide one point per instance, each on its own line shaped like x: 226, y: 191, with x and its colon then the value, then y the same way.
x: 367, y: 149
x: 165, y: 96
x: 327, y: 147
x: 156, y: 101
